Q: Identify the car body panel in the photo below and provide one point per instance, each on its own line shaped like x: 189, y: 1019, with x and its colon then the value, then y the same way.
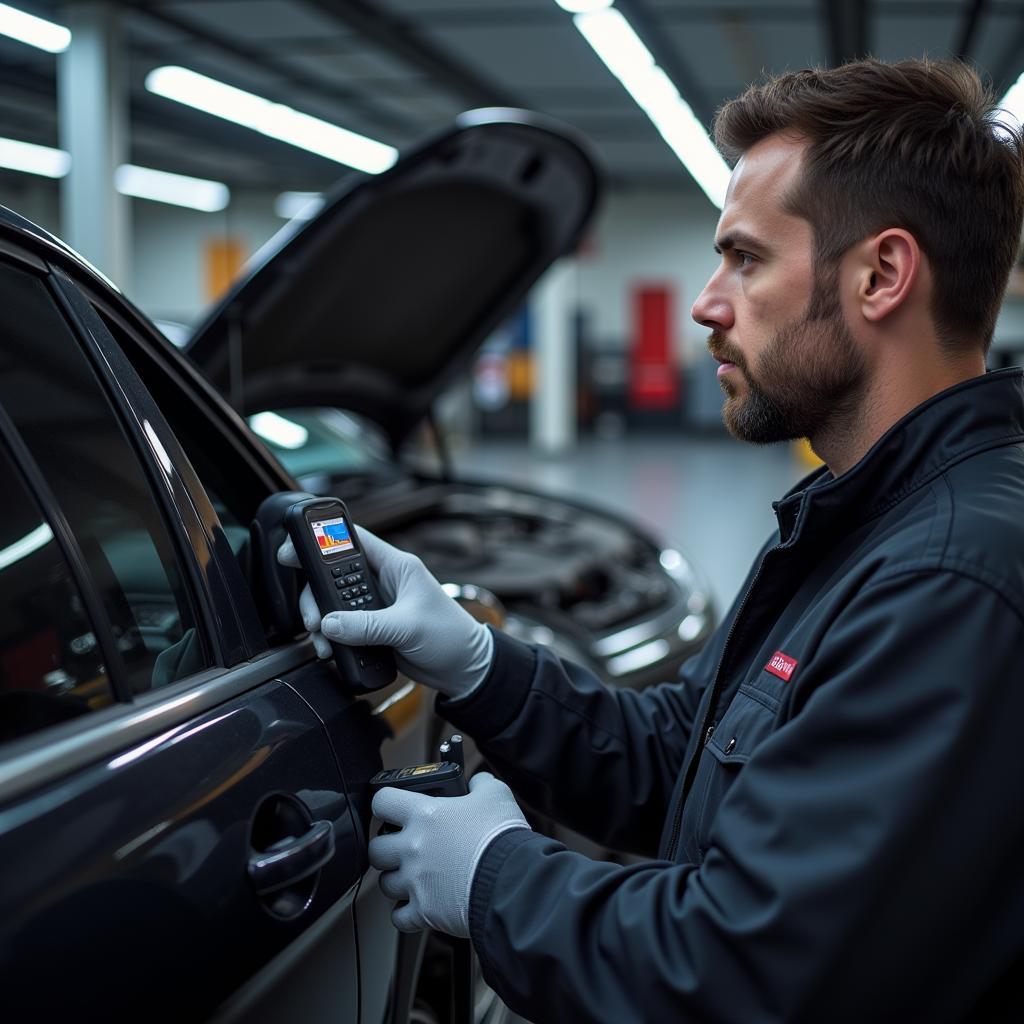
x: 131, y: 873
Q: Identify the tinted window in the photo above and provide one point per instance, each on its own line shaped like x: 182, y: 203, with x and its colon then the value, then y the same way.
x: 51, y: 668
x: 235, y: 490
x: 58, y: 406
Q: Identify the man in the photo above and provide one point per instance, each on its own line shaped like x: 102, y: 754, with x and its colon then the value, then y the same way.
x: 834, y: 790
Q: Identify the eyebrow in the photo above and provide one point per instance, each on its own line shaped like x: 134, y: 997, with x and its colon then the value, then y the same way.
x: 741, y: 240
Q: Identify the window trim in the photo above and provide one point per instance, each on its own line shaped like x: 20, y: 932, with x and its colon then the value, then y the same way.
x: 219, y: 630
x: 41, y: 758
x: 41, y: 493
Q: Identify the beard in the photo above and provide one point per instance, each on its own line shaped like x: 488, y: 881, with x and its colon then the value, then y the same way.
x: 809, y: 379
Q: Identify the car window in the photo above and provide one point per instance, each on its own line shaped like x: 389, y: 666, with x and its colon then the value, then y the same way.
x: 235, y: 490
x: 323, y: 441
x: 62, y: 414
x: 51, y: 667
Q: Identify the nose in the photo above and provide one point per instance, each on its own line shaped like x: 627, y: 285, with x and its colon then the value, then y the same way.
x: 712, y: 309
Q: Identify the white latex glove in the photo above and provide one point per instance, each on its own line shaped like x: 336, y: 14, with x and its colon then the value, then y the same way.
x: 432, y: 860
x: 435, y: 640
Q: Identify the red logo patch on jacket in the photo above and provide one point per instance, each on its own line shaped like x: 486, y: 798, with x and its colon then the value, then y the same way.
x: 781, y: 665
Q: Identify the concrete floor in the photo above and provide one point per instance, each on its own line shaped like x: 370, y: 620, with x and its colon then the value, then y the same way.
x: 708, y: 496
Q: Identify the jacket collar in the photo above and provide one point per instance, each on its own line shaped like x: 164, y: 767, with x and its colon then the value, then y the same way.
x: 977, y: 414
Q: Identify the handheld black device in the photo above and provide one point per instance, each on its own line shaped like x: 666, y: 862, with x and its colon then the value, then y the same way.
x: 439, y: 778
x: 327, y: 545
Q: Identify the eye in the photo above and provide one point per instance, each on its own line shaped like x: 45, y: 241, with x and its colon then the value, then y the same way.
x: 744, y: 259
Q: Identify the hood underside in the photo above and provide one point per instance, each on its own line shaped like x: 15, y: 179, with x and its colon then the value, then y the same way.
x: 381, y: 299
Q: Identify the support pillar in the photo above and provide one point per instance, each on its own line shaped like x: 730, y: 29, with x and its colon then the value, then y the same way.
x: 553, y: 415
x: 92, y: 100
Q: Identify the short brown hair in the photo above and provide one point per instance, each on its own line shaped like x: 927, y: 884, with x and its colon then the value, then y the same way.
x: 917, y: 145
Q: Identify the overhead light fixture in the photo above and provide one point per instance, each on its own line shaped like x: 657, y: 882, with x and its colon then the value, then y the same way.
x: 278, y: 430
x: 176, y: 189
x: 623, y: 52
x: 298, y: 205
x: 38, y: 32
x: 583, y: 6
x: 32, y: 159
x: 142, y: 182
x: 271, y: 119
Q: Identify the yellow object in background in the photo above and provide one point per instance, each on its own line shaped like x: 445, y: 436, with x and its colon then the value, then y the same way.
x: 520, y: 375
x: 223, y: 259
x: 805, y: 455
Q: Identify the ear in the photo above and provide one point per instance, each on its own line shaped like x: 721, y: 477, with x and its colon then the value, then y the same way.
x: 890, y: 265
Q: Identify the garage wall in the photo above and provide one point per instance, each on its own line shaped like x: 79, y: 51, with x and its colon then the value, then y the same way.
x: 657, y: 237
x: 169, y: 266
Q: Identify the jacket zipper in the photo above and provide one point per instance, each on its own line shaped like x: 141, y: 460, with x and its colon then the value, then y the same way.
x: 707, y: 726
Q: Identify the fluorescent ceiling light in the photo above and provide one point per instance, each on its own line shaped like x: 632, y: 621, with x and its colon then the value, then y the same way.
x: 161, y: 186
x: 27, y: 28
x: 24, y: 156
x: 298, y: 205
x: 583, y: 6
x: 277, y: 430
x: 272, y: 119
x: 176, y: 189
x: 623, y: 52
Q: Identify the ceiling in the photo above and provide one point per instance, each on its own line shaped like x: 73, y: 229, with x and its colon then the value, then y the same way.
x: 397, y: 70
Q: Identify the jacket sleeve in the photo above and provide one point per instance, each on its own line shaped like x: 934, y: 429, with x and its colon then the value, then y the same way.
x: 601, y: 760
x: 863, y: 866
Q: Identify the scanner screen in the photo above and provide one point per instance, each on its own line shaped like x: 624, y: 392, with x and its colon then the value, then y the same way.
x: 332, y: 535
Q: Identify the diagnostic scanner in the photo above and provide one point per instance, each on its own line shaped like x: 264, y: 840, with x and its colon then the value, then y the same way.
x: 328, y: 547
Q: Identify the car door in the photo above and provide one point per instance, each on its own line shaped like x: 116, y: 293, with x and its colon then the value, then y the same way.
x: 175, y: 832
x: 237, y: 474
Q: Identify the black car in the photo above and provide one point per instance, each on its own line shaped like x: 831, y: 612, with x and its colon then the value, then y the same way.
x: 183, y: 785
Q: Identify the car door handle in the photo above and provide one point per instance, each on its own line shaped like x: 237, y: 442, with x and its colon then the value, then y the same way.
x: 291, y: 859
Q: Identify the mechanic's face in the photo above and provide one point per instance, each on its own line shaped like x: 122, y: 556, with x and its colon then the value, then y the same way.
x: 788, y: 360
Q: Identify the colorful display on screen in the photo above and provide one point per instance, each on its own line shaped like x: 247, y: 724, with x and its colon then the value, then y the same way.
x: 332, y: 535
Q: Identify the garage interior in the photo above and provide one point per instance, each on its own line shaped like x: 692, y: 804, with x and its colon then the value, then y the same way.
x: 175, y: 143
x: 398, y: 71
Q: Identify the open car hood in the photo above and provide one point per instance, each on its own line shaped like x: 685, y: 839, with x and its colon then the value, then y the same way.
x: 380, y: 300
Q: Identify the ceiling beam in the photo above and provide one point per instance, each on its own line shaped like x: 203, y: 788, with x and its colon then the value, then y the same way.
x: 969, y: 28
x: 846, y: 23
x: 36, y: 92
x: 315, y: 85
x: 398, y: 37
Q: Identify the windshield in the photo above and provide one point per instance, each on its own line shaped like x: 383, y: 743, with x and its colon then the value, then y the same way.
x: 328, y: 442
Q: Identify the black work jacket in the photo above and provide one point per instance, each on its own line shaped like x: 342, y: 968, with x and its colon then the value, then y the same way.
x: 834, y: 790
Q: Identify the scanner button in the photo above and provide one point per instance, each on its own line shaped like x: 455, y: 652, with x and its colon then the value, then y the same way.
x: 340, y: 583
x: 338, y: 570
x: 356, y: 566
x: 364, y: 589
x: 353, y: 604
x: 368, y: 599
x: 351, y: 579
